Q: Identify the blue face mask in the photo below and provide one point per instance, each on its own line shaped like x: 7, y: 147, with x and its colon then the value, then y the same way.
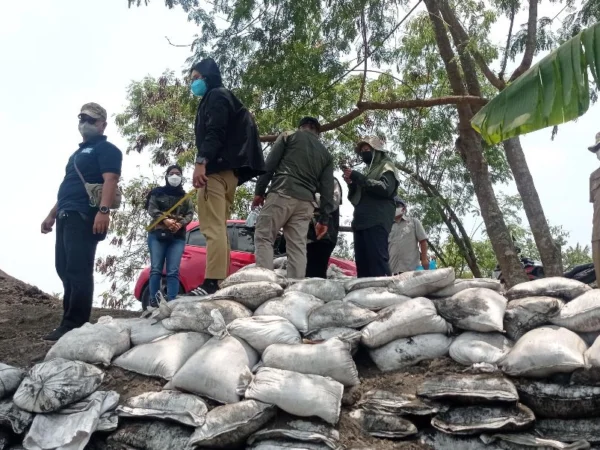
x: 198, y: 87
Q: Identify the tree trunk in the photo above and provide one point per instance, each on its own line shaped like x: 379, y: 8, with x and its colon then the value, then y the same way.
x: 549, y: 251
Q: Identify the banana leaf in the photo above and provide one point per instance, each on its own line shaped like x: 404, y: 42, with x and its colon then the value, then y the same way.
x: 553, y: 91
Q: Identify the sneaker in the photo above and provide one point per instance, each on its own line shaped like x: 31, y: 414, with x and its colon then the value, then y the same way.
x: 209, y: 287
x: 57, y: 333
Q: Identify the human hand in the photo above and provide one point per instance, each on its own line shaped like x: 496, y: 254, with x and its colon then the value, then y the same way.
x: 259, y: 200
x: 47, y: 224
x: 199, y: 178
x: 320, y: 230
x: 175, y: 228
x: 425, y: 262
x: 101, y: 223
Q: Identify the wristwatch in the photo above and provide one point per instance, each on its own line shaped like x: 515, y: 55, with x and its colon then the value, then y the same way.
x: 201, y: 160
x: 104, y: 210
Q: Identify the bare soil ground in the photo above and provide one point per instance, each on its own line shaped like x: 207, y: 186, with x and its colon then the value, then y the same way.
x: 27, y: 314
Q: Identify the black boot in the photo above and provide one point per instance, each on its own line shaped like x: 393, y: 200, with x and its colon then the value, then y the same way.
x: 208, y: 287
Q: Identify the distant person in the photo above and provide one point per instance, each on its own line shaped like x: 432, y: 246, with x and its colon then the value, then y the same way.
x: 298, y: 167
x: 229, y: 154
x: 166, y: 241
x: 372, y: 195
x: 318, y: 251
x: 595, y: 199
x: 82, y: 218
x: 407, y: 242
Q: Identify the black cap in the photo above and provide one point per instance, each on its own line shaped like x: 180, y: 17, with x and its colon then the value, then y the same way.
x: 310, y: 120
x: 398, y: 201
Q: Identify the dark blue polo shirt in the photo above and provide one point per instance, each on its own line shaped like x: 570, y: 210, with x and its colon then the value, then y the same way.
x: 94, y: 157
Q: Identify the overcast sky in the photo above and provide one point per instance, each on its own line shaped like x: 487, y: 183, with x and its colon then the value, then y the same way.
x: 58, y: 54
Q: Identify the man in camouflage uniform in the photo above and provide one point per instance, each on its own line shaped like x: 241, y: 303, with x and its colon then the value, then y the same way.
x: 595, y: 199
x: 298, y: 166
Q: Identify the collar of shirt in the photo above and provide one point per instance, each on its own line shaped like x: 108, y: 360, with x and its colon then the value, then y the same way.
x: 93, y: 141
x: 404, y: 217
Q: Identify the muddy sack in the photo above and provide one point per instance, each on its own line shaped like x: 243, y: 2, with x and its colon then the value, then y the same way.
x: 197, y: 317
x: 475, y: 309
x: 558, y: 287
x: 560, y: 401
x: 163, y: 357
x: 422, y: 282
x: 569, y: 430
x: 527, y: 440
x: 407, y: 352
x: 253, y: 274
x: 469, y: 389
x: 10, y: 378
x: 94, y: 344
x: 141, y: 330
x: 331, y: 358
x: 461, y: 285
x: 385, y: 402
x: 293, y: 306
x: 581, y: 314
x: 298, y: 394
x: 545, y: 351
x: 383, y: 425
x: 150, y: 435
x: 50, y: 385
x: 349, y: 335
x: 230, y: 425
x: 525, y: 314
x: 278, y: 444
x: 262, y: 331
x: 185, y: 409
x: 289, y: 428
x: 339, y: 314
x: 375, y: 298
x: 251, y: 295
x: 411, y: 318
x: 13, y: 417
x: 325, y: 290
x: 471, y: 348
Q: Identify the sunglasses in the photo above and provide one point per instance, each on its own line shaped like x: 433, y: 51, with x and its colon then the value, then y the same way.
x: 84, y: 118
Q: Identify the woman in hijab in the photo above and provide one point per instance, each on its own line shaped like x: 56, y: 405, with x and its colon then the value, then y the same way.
x: 372, y: 195
x: 166, y: 241
x: 318, y: 251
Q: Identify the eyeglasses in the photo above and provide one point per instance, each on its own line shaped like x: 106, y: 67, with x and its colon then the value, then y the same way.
x: 84, y: 118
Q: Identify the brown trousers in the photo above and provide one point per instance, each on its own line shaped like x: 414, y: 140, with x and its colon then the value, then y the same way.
x: 214, y: 209
x: 596, y: 259
x: 293, y: 215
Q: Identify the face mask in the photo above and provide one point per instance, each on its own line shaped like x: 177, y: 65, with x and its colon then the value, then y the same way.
x: 87, y: 130
x: 367, y: 157
x: 198, y: 87
x: 174, y: 180
x: 399, y: 212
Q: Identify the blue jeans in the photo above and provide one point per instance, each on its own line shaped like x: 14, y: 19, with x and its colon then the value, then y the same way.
x: 159, y: 252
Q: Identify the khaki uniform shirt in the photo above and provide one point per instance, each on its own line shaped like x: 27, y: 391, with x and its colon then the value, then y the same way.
x: 404, y: 244
x: 595, y: 199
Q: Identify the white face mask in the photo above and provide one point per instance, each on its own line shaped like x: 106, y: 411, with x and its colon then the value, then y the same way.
x: 174, y: 180
x: 399, y: 212
x: 88, y: 131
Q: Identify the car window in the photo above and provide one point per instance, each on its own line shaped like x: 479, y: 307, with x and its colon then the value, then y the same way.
x: 245, y: 239
x: 196, y: 238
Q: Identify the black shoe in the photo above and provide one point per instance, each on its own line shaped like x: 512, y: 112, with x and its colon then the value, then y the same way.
x: 56, y: 334
x: 209, y: 286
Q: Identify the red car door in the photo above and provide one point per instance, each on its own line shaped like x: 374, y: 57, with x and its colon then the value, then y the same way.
x: 241, y: 240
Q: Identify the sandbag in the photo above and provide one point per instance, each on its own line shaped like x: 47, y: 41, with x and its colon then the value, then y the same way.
x: 407, y: 352
x: 94, y: 344
x: 471, y: 348
x: 217, y: 369
x: 475, y: 309
x: 375, y: 298
x: 331, y: 358
x: 569, y: 430
x: 298, y: 394
x: 72, y: 427
x: 385, y: 402
x: 462, y: 284
x: 339, y: 314
x: 581, y: 314
x: 560, y: 401
x: 253, y: 274
x: 10, y: 378
x: 527, y: 441
x: 468, y: 389
x: 164, y: 357
x: 13, y: 417
x: 142, y: 330
x: 564, y: 288
x: 293, y: 306
x: 262, y: 331
x: 592, y: 355
x: 369, y: 282
x: 195, y: 316
x: 50, y: 385
x: 525, y: 314
x: 545, y: 351
x: 349, y: 335
x: 185, y: 409
x: 305, y: 431
x: 383, y: 425
x: 325, y: 290
x: 278, y: 444
x: 423, y: 282
x: 411, y: 318
x: 230, y: 425
x: 251, y: 294
x: 150, y: 435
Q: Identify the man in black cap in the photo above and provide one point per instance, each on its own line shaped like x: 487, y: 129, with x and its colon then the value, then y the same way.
x: 595, y: 199
x: 298, y: 166
x: 229, y: 154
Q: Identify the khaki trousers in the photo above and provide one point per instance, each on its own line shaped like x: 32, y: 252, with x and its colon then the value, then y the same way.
x: 596, y: 259
x: 214, y: 208
x: 293, y: 215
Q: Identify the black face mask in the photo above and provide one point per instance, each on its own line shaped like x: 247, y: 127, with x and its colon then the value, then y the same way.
x: 367, y: 157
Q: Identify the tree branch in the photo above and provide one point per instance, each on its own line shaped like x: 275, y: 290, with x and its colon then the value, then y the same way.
x: 366, y: 55
x: 530, y: 43
x: 399, y: 104
x: 513, y: 11
x: 177, y: 45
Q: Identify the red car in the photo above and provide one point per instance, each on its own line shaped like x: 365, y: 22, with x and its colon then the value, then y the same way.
x: 193, y: 261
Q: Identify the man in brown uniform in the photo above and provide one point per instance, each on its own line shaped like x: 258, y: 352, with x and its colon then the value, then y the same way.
x: 595, y: 199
